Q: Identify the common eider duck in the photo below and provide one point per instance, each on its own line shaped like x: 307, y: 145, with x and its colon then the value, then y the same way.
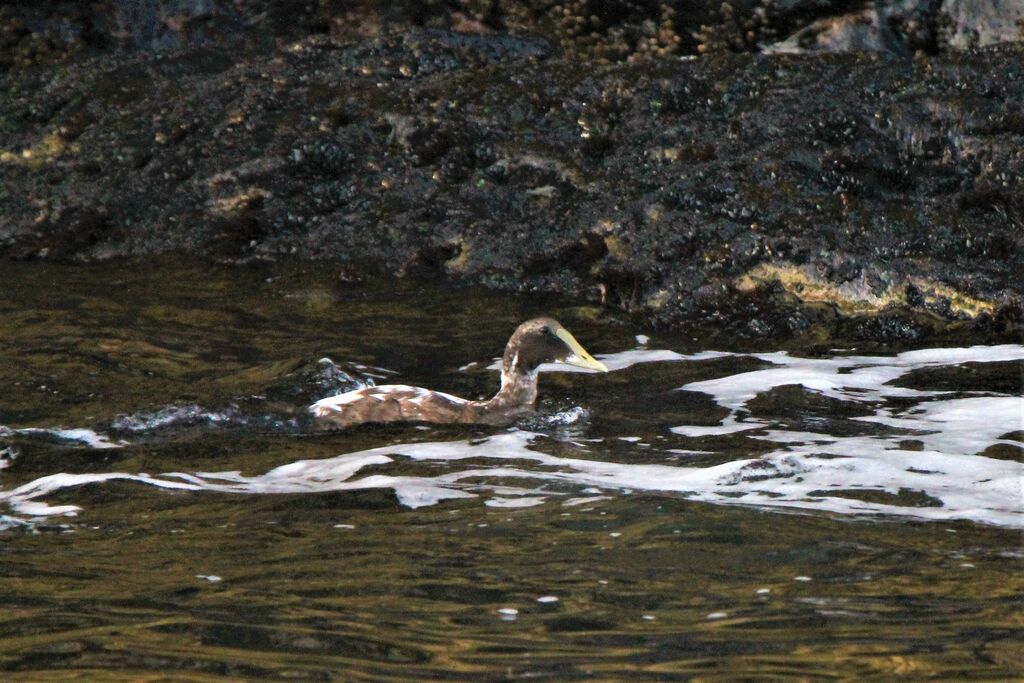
x: 535, y: 342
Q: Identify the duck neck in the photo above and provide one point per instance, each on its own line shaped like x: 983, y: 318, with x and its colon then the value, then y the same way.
x: 518, y: 389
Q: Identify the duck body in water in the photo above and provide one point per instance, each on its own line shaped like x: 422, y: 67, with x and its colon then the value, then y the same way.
x: 535, y: 342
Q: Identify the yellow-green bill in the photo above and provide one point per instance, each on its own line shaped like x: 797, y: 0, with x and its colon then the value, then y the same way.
x: 580, y: 358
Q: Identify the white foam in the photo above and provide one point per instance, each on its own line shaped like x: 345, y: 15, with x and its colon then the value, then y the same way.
x: 849, y: 378
x: 169, y: 415
x: 86, y: 437
x: 7, y: 456
x: 990, y: 494
x: 522, y: 502
x: 944, y: 477
x: 566, y: 418
x: 961, y: 426
x: 573, y: 502
x: 729, y: 425
x: 23, y: 498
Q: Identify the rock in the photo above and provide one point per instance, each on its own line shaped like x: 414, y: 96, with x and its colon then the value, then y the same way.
x: 973, y: 23
x: 897, y: 26
x: 754, y: 194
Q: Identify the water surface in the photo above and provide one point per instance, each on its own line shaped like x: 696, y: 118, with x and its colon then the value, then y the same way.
x: 166, y: 506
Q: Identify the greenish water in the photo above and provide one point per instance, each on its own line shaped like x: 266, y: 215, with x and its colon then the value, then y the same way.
x: 804, y: 515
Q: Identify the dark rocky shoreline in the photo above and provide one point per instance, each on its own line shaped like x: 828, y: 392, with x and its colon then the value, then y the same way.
x: 866, y: 195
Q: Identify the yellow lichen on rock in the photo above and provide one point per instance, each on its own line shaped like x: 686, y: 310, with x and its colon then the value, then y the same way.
x: 857, y: 296
x: 810, y: 288
x: 958, y: 301
x: 50, y: 147
x: 617, y: 248
x: 457, y: 263
x: 667, y: 154
x: 657, y: 300
x: 249, y: 197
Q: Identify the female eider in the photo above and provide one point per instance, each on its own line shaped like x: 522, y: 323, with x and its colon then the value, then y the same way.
x: 535, y: 342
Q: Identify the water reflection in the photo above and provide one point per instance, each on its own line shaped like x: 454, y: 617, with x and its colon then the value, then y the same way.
x: 221, y: 536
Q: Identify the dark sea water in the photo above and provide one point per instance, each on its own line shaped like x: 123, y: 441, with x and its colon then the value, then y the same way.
x: 168, y: 511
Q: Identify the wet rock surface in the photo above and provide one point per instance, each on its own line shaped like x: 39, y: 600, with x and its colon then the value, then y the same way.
x: 872, y: 195
x: 895, y: 26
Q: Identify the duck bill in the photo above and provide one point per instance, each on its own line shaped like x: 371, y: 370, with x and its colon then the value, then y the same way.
x: 579, y: 357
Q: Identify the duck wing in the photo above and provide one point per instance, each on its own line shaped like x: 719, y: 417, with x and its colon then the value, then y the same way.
x: 393, y: 403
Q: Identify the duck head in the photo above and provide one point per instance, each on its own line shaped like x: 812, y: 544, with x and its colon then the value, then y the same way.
x: 543, y: 340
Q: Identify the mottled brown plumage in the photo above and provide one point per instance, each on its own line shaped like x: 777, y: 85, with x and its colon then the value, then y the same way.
x: 535, y: 342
